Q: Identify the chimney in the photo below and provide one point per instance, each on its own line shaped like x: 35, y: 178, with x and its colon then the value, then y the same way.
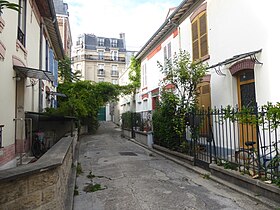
x: 122, y: 36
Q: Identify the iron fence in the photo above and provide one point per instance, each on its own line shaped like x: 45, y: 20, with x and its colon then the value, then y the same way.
x: 248, y: 142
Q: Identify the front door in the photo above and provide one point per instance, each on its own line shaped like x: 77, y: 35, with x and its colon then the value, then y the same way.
x: 246, y: 100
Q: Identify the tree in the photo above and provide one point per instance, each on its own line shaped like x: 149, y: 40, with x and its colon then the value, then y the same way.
x: 65, y: 73
x: 134, y: 74
x: 183, y: 75
x: 8, y: 5
x: 84, y: 99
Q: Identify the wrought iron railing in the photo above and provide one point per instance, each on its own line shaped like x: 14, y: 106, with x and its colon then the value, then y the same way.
x: 21, y: 36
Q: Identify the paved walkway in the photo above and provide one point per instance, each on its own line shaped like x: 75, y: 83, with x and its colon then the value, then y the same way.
x: 129, y: 177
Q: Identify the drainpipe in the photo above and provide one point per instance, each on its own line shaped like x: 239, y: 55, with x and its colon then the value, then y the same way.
x: 40, y: 67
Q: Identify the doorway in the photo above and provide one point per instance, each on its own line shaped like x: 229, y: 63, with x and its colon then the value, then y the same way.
x: 246, y: 101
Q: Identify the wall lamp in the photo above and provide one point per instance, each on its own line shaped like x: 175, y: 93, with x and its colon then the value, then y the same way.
x: 17, y: 78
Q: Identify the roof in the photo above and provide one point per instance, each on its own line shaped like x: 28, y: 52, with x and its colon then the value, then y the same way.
x: 167, y: 27
x: 91, y: 42
x: 47, y: 11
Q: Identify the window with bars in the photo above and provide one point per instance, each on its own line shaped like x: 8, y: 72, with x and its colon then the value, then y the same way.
x: 22, y: 22
x: 199, y: 36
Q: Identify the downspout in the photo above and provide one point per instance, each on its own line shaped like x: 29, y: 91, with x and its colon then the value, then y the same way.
x: 179, y: 33
x: 40, y: 67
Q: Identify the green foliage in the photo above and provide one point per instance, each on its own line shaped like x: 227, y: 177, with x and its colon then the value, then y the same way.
x: 93, y: 188
x: 269, y: 114
x: 84, y: 99
x: 134, y: 74
x: 169, y: 119
x: 65, y: 73
x: 8, y: 5
x: 79, y: 169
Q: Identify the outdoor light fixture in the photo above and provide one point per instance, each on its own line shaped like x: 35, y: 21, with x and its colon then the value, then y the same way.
x: 17, y: 78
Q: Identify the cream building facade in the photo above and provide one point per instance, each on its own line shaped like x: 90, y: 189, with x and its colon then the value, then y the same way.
x: 100, y: 59
x: 30, y: 46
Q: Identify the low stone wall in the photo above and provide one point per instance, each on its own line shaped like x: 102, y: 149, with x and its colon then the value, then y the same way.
x: 126, y: 133
x: 141, y: 137
x: 42, y: 184
x: 257, y: 186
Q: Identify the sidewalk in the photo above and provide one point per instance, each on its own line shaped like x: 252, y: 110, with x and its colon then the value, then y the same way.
x: 127, y: 176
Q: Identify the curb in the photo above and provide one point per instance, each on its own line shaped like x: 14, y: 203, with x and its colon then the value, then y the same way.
x: 257, y: 198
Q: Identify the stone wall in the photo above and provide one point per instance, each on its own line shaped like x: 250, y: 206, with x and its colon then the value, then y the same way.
x: 42, y: 184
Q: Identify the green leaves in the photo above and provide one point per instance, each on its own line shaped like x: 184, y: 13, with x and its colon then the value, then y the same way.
x: 65, y: 73
x: 8, y: 5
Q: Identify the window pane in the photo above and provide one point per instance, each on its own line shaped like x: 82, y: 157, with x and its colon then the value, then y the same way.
x: 246, y: 75
x: 203, y: 45
x: 248, y: 97
x: 194, y: 31
x: 195, y: 50
x: 202, y: 24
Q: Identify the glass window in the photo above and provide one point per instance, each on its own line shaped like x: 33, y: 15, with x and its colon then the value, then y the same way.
x: 22, y: 22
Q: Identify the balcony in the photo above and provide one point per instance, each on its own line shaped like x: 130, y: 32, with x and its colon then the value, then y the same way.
x: 114, y: 73
x: 101, y: 73
x: 102, y: 58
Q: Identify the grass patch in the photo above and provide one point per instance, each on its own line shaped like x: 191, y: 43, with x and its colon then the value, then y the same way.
x: 79, y: 169
x: 206, y: 176
x: 93, y: 188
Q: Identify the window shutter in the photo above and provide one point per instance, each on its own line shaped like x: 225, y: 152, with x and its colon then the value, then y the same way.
x: 164, y: 53
x: 203, y: 36
x: 169, y: 50
x: 195, y: 45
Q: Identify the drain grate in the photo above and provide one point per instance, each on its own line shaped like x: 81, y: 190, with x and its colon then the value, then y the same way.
x: 128, y: 154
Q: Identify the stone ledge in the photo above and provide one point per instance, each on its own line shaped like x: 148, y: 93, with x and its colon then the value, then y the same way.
x: 51, y: 159
x: 245, y: 181
x: 177, y: 154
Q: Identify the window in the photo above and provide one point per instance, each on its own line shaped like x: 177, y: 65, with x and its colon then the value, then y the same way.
x: 167, y: 51
x: 22, y: 22
x: 199, y: 36
x: 114, y: 43
x: 115, y: 70
x: 101, y: 71
x: 100, y: 42
x: 114, y: 54
x: 100, y: 79
x: 144, y: 75
x: 115, y: 81
x: 100, y: 54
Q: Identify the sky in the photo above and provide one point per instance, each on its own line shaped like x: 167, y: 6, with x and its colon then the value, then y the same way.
x: 138, y: 19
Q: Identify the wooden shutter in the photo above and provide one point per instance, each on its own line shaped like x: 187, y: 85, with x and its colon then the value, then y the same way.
x: 203, y: 36
x: 195, y: 44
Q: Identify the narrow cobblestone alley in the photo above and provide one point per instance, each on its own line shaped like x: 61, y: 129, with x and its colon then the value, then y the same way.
x: 126, y: 176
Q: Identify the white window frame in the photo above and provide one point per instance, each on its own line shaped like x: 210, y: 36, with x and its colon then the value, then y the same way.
x: 114, y: 55
x: 144, y: 73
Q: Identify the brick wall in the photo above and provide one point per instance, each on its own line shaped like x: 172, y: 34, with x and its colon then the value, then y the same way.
x: 40, y: 185
x: 7, y: 154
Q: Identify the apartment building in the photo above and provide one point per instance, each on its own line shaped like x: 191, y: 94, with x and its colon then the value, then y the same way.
x: 100, y: 59
x: 30, y: 47
x: 62, y: 16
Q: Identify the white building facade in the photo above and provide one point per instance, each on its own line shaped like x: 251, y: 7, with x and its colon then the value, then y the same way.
x: 30, y: 46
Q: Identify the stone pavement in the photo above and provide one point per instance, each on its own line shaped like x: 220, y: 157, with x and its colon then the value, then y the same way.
x: 129, y: 177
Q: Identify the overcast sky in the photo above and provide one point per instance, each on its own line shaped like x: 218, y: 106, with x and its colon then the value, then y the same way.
x: 138, y: 19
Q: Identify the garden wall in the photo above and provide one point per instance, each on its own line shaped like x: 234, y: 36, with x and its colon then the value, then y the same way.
x: 42, y: 184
